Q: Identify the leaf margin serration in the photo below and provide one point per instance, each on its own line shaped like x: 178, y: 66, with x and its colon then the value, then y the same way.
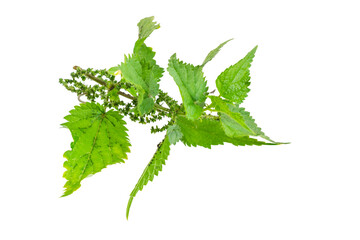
x: 193, y: 93
x: 233, y: 83
x: 207, y: 132
x: 157, y: 161
x: 114, y: 126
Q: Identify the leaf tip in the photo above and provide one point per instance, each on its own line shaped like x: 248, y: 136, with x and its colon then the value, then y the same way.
x: 128, y: 207
x: 255, y: 48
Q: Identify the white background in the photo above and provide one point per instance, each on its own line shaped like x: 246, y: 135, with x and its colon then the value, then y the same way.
x: 305, y: 90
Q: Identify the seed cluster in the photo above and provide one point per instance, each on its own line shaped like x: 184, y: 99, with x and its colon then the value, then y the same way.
x: 112, y: 93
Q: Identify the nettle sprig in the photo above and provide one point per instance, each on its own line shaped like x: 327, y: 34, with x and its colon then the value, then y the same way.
x: 132, y: 89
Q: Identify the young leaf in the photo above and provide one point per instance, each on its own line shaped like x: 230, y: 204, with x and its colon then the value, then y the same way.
x: 152, y: 169
x: 174, y: 133
x: 115, y: 70
x: 206, y: 132
x: 141, y: 70
x: 100, y: 139
x: 213, y: 53
x: 192, y: 86
x: 233, y: 83
x: 151, y: 72
x: 147, y: 26
x: 132, y: 72
x: 143, y: 79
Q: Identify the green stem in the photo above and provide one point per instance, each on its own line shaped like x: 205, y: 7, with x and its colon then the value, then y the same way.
x: 162, y: 108
x: 102, y: 82
x: 98, y: 80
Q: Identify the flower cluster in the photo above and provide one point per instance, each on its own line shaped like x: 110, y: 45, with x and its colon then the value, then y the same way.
x: 119, y: 95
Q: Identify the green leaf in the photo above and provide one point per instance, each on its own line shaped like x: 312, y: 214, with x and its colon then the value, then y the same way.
x: 141, y: 70
x: 151, y: 72
x: 132, y: 72
x: 233, y: 83
x: 192, y: 86
x: 114, y: 70
x: 213, y: 53
x: 174, y: 133
x: 145, y: 105
x: 143, y: 80
x: 152, y: 169
x: 250, y: 123
x: 226, y: 113
x: 235, y: 121
x: 147, y: 26
x: 132, y: 90
x: 206, y: 132
x: 100, y: 139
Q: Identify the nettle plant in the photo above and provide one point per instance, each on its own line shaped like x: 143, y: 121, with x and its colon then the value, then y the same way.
x: 132, y: 89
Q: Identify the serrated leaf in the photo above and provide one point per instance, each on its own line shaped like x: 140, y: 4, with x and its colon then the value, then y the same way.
x: 147, y: 26
x: 142, y: 78
x: 146, y: 105
x: 235, y: 121
x: 174, y: 133
x: 233, y: 83
x: 229, y: 116
x: 151, y: 72
x: 100, y: 139
x: 132, y: 72
x: 192, y: 85
x: 206, y: 132
x: 141, y: 70
x: 152, y: 169
x: 214, y: 52
x: 250, y: 122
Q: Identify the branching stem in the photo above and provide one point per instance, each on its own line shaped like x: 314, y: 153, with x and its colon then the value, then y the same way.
x: 98, y: 80
x: 128, y: 96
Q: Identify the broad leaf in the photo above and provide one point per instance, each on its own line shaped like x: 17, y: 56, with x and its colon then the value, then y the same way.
x: 151, y: 72
x: 152, y: 169
x: 233, y: 83
x: 132, y: 72
x: 174, y: 133
x: 224, y: 108
x: 147, y: 26
x: 100, y: 139
x: 143, y: 79
x: 141, y: 70
x: 206, y: 132
x: 235, y: 121
x: 213, y: 53
x: 249, y: 121
x: 192, y: 86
